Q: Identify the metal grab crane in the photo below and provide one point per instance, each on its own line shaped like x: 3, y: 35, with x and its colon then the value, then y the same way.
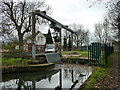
x: 54, y: 24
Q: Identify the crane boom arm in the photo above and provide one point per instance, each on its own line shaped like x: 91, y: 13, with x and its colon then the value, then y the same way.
x: 43, y: 15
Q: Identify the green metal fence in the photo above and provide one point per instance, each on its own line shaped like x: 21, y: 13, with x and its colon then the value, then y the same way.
x: 98, y: 53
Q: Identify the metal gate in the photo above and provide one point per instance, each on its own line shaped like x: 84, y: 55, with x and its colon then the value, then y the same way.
x: 98, y: 54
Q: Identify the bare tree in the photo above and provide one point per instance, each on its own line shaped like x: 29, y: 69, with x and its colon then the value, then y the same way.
x: 66, y: 34
x: 98, y: 33
x: 114, y: 17
x: 82, y: 36
x: 77, y: 28
x: 103, y: 32
x: 105, y: 2
x: 66, y: 38
x: 16, y: 16
x: 107, y: 31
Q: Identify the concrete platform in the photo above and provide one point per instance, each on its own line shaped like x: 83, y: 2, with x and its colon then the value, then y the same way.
x: 53, y: 57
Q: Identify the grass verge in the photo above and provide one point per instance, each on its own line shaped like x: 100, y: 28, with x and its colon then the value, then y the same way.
x: 13, y: 61
x: 99, y: 73
x: 83, y: 53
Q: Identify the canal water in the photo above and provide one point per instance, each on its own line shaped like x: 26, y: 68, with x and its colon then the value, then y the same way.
x: 68, y: 78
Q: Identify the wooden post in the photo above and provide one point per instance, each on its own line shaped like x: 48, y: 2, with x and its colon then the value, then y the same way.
x: 33, y: 35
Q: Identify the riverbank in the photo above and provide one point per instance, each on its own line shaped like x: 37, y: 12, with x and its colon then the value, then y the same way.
x: 105, y: 77
x: 112, y: 80
x: 27, y: 68
x: 22, y: 65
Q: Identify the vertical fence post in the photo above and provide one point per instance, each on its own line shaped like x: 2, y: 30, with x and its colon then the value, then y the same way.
x: 94, y: 49
x: 102, y: 54
x: 105, y: 53
x: 95, y: 60
x: 112, y: 49
x: 97, y: 46
x: 92, y: 53
x: 88, y: 55
x: 99, y: 53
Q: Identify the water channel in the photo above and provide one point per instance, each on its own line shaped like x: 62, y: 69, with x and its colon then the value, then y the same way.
x: 68, y: 78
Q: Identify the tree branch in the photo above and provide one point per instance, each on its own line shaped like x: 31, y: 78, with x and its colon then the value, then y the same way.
x: 11, y: 11
x: 23, y: 8
x: 28, y: 28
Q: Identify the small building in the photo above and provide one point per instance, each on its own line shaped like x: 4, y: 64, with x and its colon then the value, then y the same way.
x: 40, y: 41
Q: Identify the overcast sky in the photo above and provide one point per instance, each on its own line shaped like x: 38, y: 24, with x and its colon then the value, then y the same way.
x: 77, y: 11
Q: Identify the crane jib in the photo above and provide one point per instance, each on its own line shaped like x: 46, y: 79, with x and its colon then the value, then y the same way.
x: 43, y: 15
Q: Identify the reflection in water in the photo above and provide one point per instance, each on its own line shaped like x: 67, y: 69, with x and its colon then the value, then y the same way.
x: 62, y: 78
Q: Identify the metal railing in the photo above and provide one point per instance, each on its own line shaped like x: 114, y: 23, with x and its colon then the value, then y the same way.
x: 98, y: 54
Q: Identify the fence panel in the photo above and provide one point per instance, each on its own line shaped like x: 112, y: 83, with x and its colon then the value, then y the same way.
x: 98, y: 54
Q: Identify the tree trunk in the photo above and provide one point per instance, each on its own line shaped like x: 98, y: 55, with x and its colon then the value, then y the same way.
x: 77, y: 42
x: 20, y: 43
x: 119, y: 31
x: 81, y: 46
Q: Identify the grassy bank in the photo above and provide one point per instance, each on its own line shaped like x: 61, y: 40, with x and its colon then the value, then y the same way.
x: 13, y: 61
x: 99, y: 73
x: 83, y: 53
